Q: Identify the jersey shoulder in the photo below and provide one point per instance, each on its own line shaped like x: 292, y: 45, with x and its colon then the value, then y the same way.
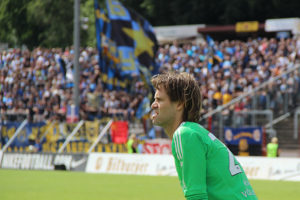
x: 191, y: 131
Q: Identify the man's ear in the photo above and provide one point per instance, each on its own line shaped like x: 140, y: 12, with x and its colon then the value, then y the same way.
x: 180, y: 106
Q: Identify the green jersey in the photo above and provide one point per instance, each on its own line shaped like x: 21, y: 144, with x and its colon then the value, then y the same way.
x: 206, y: 168
x: 272, y: 150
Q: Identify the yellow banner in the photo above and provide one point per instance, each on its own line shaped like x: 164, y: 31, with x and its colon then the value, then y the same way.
x: 251, y: 26
x: 53, y: 133
x: 92, y: 130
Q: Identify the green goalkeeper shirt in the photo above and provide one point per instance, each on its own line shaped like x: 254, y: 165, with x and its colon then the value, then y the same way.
x: 205, y: 166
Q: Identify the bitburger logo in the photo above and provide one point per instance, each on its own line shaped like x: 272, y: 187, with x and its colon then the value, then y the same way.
x: 99, y: 163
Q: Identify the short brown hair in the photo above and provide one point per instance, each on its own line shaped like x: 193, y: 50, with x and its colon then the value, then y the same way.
x: 183, y: 88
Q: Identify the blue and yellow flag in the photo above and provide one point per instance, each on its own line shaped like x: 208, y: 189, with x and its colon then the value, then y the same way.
x: 210, y: 41
x: 218, y: 55
x: 106, y: 47
x: 215, y: 56
x: 126, y: 42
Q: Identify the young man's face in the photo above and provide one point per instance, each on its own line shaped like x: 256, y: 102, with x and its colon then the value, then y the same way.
x: 164, y: 111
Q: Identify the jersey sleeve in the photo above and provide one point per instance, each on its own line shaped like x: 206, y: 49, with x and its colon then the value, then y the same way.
x: 191, y: 153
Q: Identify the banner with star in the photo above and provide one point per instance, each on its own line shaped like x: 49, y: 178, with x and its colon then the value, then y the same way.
x: 108, y: 58
x: 134, y: 37
x: 126, y: 43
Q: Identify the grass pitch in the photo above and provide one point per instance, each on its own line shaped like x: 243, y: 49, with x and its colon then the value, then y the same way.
x: 62, y: 185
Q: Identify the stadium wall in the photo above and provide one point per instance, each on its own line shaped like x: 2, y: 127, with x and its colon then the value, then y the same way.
x: 45, y: 161
x: 137, y: 164
x: 271, y: 168
x: 287, y: 169
x: 0, y: 157
x: 255, y: 167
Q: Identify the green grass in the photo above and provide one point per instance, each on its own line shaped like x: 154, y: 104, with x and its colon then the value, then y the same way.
x: 56, y: 185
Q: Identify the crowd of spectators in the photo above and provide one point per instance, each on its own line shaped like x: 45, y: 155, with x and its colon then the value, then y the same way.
x: 228, y: 69
x: 38, y: 84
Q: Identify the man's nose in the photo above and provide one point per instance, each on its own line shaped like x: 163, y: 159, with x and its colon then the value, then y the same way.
x: 154, y: 105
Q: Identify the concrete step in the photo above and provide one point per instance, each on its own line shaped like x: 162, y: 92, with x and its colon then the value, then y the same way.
x: 285, y: 134
x: 287, y: 146
x: 292, y: 153
x: 287, y: 142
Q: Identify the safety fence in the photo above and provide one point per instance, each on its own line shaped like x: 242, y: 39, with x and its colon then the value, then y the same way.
x: 68, y: 137
x: 86, y: 137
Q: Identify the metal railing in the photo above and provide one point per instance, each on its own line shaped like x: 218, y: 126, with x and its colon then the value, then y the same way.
x: 296, y: 125
x: 279, y: 111
x: 277, y: 120
x: 100, y: 136
x: 250, y: 93
x: 18, y: 131
x: 76, y: 129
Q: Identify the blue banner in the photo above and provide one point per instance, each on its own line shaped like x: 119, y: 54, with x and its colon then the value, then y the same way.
x: 252, y: 135
x: 30, y: 132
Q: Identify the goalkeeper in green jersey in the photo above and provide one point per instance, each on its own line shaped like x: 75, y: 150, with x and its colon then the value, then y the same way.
x: 205, y: 166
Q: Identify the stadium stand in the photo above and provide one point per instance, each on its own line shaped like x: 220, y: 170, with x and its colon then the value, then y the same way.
x: 37, y: 85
